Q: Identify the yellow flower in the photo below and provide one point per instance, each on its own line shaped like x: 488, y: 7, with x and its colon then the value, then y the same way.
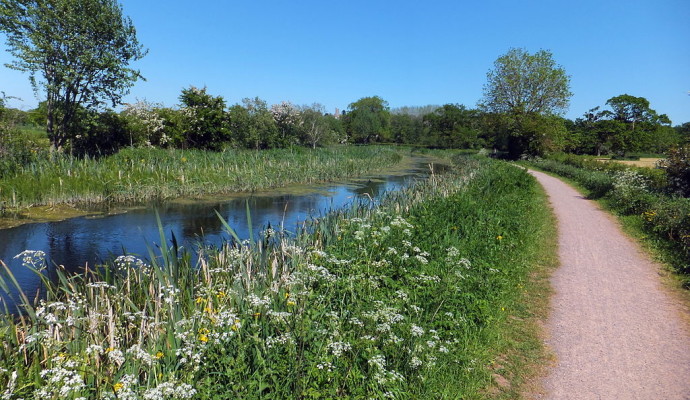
x: 109, y: 349
x: 203, y: 331
x: 499, y: 237
x: 220, y: 294
x: 118, y: 386
x: 159, y: 355
x: 291, y: 303
x: 257, y: 315
x: 287, y: 295
x: 183, y: 159
x: 200, y: 300
x: 203, y: 338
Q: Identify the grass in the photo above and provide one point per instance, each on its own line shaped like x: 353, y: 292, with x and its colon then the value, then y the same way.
x: 139, y: 175
x: 426, y: 296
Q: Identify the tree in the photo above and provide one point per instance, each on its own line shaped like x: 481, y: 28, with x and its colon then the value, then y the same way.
x: 77, y: 51
x: 526, y: 87
x: 368, y: 120
x: 453, y: 126
x: 205, y: 122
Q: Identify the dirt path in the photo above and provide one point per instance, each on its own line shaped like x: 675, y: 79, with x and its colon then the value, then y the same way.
x: 615, y: 331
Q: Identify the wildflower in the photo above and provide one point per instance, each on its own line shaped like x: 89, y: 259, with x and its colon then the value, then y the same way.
x: 291, y: 303
x: 417, y: 331
x: 159, y: 355
x: 499, y: 237
x: 118, y: 386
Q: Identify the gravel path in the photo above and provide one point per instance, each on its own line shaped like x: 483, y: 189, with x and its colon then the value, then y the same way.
x: 615, y: 331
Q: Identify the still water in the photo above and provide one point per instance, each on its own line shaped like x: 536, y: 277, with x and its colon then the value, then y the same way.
x: 93, y: 240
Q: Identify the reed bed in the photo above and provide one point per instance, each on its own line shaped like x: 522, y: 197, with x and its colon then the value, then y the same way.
x: 140, y: 175
x: 404, y: 300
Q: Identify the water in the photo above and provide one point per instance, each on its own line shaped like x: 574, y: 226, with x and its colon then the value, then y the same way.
x: 93, y: 240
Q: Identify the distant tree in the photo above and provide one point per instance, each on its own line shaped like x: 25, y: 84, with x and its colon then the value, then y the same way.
x: 453, y: 126
x: 315, y: 126
x: 526, y: 88
x: 205, y: 123
x: 252, y: 125
x: 642, y: 128
x: 683, y: 132
x: 77, y: 51
x: 287, y: 117
x: 407, y: 128
x: 368, y: 120
x: 145, y: 124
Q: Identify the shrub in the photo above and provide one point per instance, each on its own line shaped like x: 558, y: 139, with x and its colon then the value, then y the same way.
x: 677, y: 166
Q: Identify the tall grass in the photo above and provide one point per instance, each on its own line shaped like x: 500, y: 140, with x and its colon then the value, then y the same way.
x: 135, y: 175
x: 406, y: 300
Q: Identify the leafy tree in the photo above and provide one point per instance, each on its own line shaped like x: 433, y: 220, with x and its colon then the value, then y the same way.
x: 315, y: 126
x: 145, y: 124
x: 368, y: 120
x: 287, y: 117
x: 453, y: 126
x: 407, y: 128
x: 205, y: 121
x: 527, y: 87
x: 252, y: 125
x: 683, y: 132
x: 77, y: 51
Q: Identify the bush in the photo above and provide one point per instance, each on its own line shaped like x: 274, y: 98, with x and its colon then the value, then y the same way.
x: 677, y: 167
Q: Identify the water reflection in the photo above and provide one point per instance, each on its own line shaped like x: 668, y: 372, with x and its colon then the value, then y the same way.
x: 88, y: 240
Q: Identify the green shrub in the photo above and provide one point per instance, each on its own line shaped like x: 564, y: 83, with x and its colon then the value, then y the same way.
x: 677, y: 167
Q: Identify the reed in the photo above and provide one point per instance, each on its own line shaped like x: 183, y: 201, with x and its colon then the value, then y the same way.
x: 139, y: 175
x: 403, y: 300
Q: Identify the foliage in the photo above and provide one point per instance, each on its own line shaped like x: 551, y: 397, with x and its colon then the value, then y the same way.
x: 77, y: 51
x: 453, y: 126
x: 145, y: 123
x: 527, y: 88
x: 630, y: 125
x: 677, y: 167
x: 368, y: 120
x: 316, y: 128
x: 204, y: 121
x: 404, y: 301
x: 523, y: 83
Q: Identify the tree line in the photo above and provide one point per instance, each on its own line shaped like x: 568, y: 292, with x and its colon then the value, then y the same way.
x: 78, y: 52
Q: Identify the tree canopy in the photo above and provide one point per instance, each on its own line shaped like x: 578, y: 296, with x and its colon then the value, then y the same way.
x: 76, y: 51
x: 524, y: 83
x: 368, y: 120
x: 527, y: 90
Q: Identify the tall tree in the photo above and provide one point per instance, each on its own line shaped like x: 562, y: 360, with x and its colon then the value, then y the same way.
x: 368, y: 120
x: 526, y: 88
x: 77, y: 51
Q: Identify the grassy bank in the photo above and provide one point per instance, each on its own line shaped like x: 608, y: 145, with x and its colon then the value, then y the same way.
x: 136, y: 175
x: 422, y: 297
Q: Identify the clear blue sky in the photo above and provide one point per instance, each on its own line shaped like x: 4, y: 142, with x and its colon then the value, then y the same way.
x: 408, y: 52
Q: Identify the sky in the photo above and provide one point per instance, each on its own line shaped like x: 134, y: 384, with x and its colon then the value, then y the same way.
x: 410, y: 53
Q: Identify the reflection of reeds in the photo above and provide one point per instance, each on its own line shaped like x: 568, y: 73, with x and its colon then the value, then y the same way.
x: 135, y: 175
x: 367, y: 302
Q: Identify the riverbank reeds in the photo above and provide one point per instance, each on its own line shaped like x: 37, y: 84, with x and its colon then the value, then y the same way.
x: 406, y: 300
x: 143, y: 174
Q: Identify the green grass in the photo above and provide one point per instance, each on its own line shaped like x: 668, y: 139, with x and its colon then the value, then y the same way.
x: 139, y: 175
x: 429, y: 295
